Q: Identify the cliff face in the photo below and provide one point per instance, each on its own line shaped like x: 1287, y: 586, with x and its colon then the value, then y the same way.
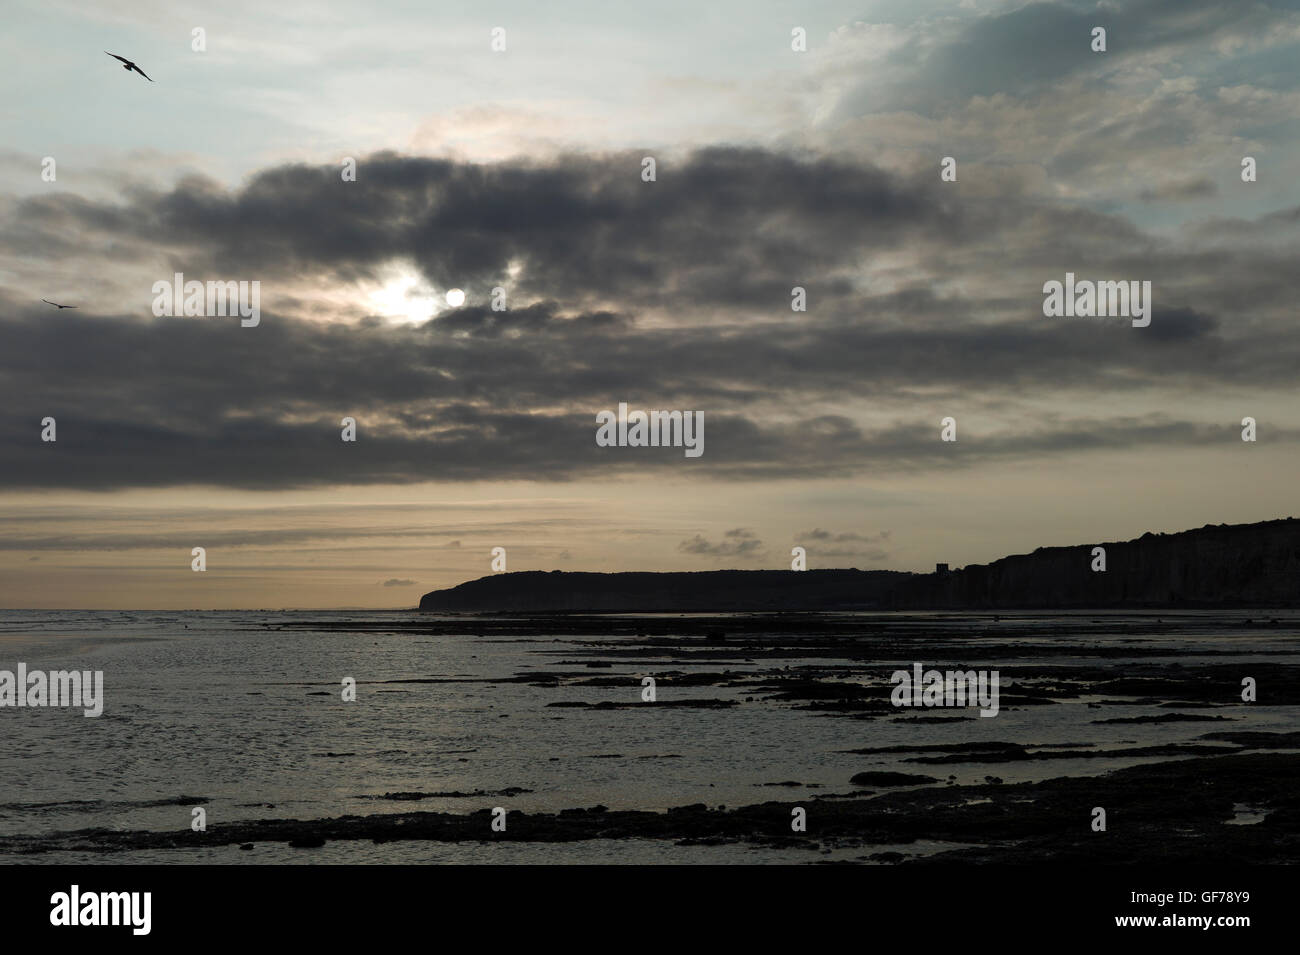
x: 1240, y: 565
x: 1214, y: 566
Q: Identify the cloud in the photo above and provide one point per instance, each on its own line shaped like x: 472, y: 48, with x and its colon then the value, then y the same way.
x: 1184, y: 90
x: 730, y: 224
x: 1040, y: 44
x: 817, y: 534
x: 667, y: 294
x: 738, y: 542
x: 823, y: 544
x: 395, y: 582
x: 1180, y: 190
x: 87, y: 527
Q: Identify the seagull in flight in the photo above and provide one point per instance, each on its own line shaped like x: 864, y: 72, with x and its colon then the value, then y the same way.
x: 130, y: 66
x: 56, y: 304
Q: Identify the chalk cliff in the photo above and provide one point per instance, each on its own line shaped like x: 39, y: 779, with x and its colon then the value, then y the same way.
x: 1212, y: 566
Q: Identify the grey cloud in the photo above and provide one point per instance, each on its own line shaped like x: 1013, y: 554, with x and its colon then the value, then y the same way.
x: 870, y: 555
x: 1180, y: 190
x: 727, y: 224
x: 1185, y: 88
x: 735, y: 543
x: 465, y: 410
x: 1036, y: 45
x: 823, y: 544
x: 476, y: 395
x: 817, y: 534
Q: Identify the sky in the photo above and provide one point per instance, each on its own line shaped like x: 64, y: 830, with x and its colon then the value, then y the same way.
x: 522, y: 169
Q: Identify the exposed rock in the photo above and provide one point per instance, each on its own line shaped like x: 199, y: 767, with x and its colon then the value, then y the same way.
x: 1008, y: 823
x: 891, y: 779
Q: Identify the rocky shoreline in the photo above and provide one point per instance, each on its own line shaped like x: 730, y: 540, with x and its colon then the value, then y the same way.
x: 1131, y: 713
x: 1018, y: 823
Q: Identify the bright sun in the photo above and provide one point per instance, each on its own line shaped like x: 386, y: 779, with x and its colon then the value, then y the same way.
x: 405, y: 295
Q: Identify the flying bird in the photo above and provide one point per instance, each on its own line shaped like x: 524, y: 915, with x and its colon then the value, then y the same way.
x: 130, y: 66
x: 56, y: 304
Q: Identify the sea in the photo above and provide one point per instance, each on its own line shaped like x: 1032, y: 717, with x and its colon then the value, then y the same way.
x: 243, y: 713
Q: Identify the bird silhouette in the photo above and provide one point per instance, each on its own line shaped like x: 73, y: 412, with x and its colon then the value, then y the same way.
x: 130, y: 66
x: 56, y: 304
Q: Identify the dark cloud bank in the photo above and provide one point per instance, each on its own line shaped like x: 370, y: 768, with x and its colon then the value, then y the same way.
x: 673, y: 295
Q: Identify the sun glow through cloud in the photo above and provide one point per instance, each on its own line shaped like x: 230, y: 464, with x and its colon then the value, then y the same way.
x: 405, y: 296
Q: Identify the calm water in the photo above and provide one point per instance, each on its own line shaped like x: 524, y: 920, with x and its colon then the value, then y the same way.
x: 225, y: 706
